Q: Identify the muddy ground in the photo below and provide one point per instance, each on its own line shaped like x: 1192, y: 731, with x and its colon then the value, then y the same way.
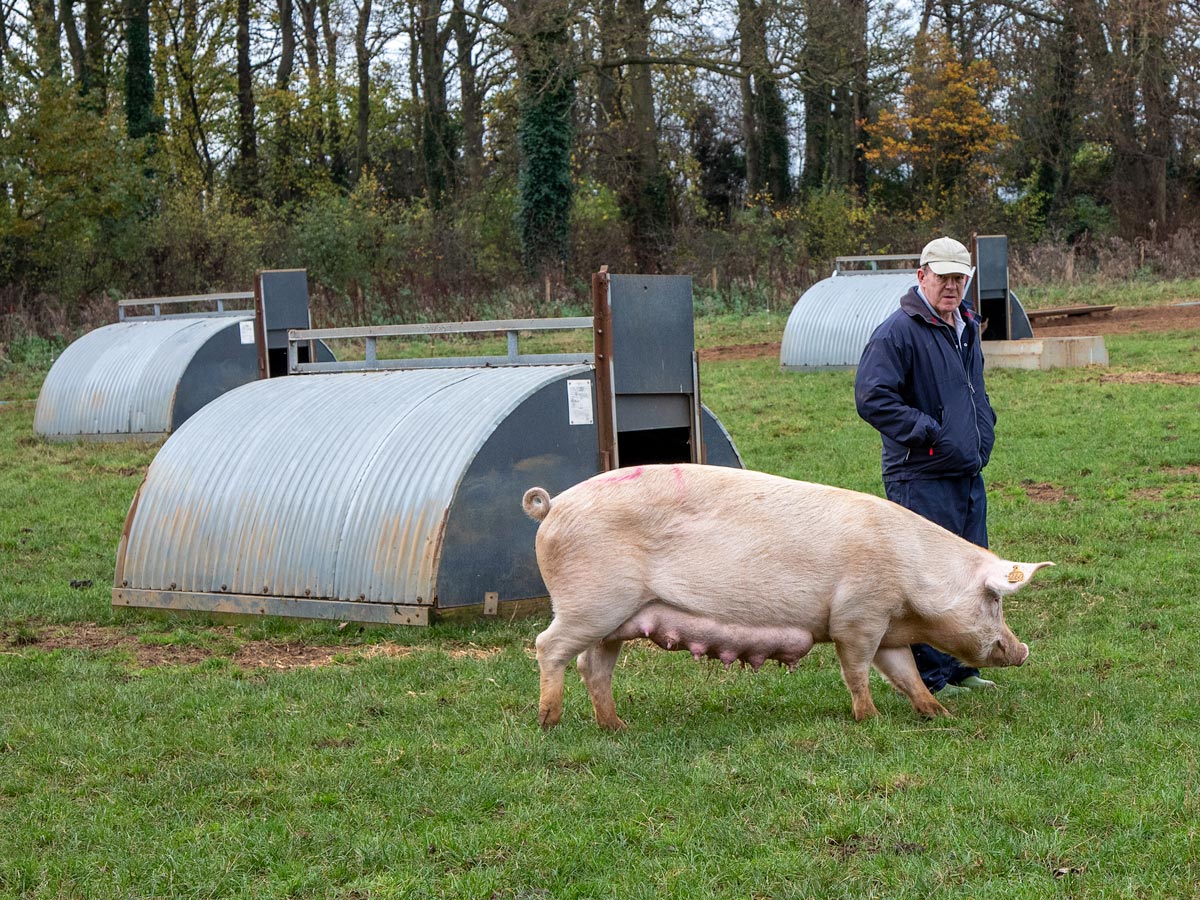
x: 218, y: 642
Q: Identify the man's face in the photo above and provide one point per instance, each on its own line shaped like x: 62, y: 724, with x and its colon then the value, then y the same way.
x: 944, y: 292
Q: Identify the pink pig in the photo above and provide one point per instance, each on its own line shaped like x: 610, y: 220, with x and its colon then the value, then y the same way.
x: 736, y: 565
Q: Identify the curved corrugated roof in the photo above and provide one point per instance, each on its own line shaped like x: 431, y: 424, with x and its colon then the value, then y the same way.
x: 832, y: 321
x: 121, y: 379
x: 333, y: 486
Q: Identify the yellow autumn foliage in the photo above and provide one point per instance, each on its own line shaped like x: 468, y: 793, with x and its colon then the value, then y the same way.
x: 942, y: 141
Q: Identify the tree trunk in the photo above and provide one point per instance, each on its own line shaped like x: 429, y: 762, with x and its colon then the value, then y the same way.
x: 5, y: 119
x: 436, y: 153
x: 246, y: 175
x: 46, y: 35
x: 1159, y: 107
x: 74, y: 44
x: 647, y: 198
x: 139, y: 83
x: 333, y: 117
x: 1056, y: 137
x: 546, y: 92
x: 1113, y: 50
x: 287, y: 45
x: 764, y: 113
x: 609, y: 138
x: 312, y: 77
x: 466, y: 37
x: 362, y: 100
x: 835, y: 96
x: 857, y: 111
x: 94, y: 84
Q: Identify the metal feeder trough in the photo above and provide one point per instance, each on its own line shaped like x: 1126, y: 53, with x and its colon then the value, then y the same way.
x: 832, y: 321
x: 140, y: 378
x: 389, y: 491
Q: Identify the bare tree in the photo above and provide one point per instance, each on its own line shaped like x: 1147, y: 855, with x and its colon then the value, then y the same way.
x: 246, y: 172
x: 287, y: 45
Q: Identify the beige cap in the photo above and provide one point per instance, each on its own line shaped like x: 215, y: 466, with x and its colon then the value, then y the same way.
x: 946, y: 256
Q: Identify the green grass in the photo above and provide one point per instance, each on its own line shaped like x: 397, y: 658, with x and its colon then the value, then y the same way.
x: 425, y: 775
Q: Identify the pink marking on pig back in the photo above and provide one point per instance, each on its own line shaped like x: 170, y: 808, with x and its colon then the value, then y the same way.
x: 680, y: 486
x: 623, y: 475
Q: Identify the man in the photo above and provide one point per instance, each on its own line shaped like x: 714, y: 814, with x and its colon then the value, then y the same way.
x: 920, y: 385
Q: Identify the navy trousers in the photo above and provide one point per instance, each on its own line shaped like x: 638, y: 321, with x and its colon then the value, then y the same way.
x: 959, y: 505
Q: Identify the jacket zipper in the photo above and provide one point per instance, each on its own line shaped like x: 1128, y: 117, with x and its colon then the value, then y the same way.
x: 971, y: 389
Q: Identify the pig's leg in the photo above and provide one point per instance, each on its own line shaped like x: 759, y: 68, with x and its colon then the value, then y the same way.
x: 565, y: 639
x: 897, y: 665
x: 855, y: 659
x: 554, y: 651
x: 596, y: 666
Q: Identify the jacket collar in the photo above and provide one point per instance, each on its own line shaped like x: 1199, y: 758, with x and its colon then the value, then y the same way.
x: 912, y: 304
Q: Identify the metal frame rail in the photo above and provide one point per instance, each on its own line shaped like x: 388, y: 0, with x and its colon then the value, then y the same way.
x: 371, y: 334
x: 842, y: 263
x: 159, y: 302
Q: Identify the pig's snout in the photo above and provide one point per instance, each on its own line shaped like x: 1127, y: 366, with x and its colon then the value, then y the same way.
x: 1009, y: 653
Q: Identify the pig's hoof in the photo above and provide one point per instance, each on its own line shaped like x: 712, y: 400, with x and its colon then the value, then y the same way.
x: 612, y: 723
x: 864, y: 713
x: 933, y: 709
x: 548, y: 718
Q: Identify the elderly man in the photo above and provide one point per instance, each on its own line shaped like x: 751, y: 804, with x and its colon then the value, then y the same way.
x: 920, y: 385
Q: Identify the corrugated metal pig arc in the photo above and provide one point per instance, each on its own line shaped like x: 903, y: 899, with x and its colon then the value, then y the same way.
x: 832, y: 321
x: 265, y: 474
x: 121, y: 379
x: 291, y: 486
x: 365, y: 410
x: 439, y: 442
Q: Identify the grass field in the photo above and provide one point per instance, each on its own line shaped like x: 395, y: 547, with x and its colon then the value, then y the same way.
x: 408, y: 763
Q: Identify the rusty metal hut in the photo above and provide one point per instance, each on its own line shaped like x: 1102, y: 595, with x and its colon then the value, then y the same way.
x: 143, y: 376
x: 389, y: 491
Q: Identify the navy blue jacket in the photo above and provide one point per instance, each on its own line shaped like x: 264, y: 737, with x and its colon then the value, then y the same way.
x: 924, y: 393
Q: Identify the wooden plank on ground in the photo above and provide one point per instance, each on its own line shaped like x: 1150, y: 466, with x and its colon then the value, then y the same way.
x: 1034, y: 314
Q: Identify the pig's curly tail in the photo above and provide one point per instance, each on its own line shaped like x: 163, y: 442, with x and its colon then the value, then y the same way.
x: 536, y: 503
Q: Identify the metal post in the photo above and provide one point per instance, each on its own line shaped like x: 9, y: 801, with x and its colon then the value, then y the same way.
x: 606, y: 401
x: 512, y: 344
x: 260, y: 329
x: 698, y: 450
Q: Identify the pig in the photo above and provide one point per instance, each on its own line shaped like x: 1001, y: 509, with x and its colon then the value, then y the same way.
x: 739, y: 565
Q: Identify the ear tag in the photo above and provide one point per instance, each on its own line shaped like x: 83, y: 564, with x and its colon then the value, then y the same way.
x: 1016, y: 575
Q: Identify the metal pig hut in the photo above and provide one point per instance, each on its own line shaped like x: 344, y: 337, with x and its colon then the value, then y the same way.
x: 389, y: 491
x: 832, y: 321
x: 143, y: 376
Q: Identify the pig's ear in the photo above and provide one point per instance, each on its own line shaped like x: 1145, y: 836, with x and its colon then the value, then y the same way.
x: 1007, y: 577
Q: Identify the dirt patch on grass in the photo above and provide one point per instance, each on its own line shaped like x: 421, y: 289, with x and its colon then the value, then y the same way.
x: 742, y: 351
x: 1044, y: 492
x: 1182, y: 471
x: 1122, y: 321
x: 1190, y: 379
x: 844, y: 848
x: 218, y: 643
x: 1153, y: 493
